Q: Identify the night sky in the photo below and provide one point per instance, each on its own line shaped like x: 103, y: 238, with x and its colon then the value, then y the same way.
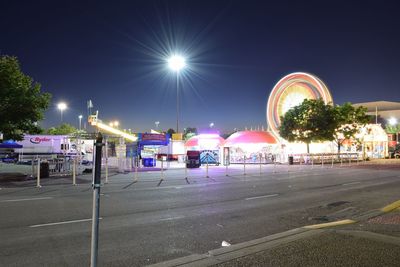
x: 114, y: 54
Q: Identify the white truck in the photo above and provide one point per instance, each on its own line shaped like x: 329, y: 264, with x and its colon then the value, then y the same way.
x: 53, y: 145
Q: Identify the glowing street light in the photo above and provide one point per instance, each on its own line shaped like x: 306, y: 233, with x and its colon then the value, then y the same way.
x: 392, y: 121
x: 80, y: 122
x: 176, y: 63
x: 62, y: 106
x: 116, y: 123
x: 211, y: 125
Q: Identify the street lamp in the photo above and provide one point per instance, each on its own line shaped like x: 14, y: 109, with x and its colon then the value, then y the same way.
x: 211, y: 125
x: 157, y: 123
x: 116, y: 123
x: 62, y: 106
x: 80, y: 122
x: 176, y: 63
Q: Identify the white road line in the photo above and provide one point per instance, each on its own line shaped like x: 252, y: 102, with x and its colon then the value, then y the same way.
x: 25, y: 199
x: 250, y: 198
x: 172, y: 218
x: 352, y: 183
x: 58, y: 223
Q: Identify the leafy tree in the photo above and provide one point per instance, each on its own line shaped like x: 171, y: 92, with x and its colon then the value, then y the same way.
x: 311, y: 121
x: 189, y: 132
x: 62, y: 129
x: 349, y: 121
x: 170, y: 131
x: 392, y: 129
x: 22, y: 104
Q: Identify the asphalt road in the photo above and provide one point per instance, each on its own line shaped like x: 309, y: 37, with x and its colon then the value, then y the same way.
x: 143, y: 223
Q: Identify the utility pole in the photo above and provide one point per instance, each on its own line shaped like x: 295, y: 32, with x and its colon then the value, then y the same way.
x: 96, y: 199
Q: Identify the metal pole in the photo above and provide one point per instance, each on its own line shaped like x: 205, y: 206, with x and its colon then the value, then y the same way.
x: 274, y: 161
x: 349, y: 156
x: 136, y: 169
x: 226, y: 169
x: 312, y: 161
x: 96, y: 200
x: 106, y: 155
x: 332, y: 160
x: 322, y: 165
x: 207, y: 166
x: 162, y: 169
x: 244, y: 165
x: 38, y: 173
x: 74, y: 171
x: 341, y: 160
x: 177, y: 102
x: 260, y: 163
x: 186, y: 175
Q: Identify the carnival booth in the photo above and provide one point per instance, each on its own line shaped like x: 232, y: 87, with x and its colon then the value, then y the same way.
x: 374, y: 141
x: 210, y: 147
x: 251, y: 147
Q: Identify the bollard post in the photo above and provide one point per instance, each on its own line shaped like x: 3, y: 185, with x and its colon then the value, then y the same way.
x: 186, y: 172
x: 106, y: 156
x: 341, y: 160
x: 357, y: 158
x: 349, y: 156
x: 322, y: 164
x: 207, y: 165
x: 226, y: 169
x: 136, y: 169
x: 260, y: 163
x: 244, y: 165
x: 162, y: 169
x: 38, y: 173
x: 274, y: 162
x: 332, y: 160
x: 74, y: 171
x: 312, y: 161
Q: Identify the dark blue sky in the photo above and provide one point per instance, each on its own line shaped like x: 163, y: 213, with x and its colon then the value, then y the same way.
x: 113, y: 53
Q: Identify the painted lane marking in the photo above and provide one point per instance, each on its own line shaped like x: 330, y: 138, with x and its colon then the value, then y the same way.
x: 58, y: 223
x: 329, y: 224
x: 26, y: 199
x: 172, y: 218
x: 352, y: 183
x: 273, y: 195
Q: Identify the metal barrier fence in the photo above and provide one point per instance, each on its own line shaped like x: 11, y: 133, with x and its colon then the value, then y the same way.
x: 326, y: 158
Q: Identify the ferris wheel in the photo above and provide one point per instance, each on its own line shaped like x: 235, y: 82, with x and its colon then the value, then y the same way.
x: 289, y: 92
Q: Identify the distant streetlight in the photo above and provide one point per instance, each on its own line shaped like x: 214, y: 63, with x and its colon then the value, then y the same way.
x: 176, y: 63
x: 62, y: 106
x: 116, y: 123
x: 157, y: 123
x: 392, y: 121
x: 80, y: 122
x: 111, y: 124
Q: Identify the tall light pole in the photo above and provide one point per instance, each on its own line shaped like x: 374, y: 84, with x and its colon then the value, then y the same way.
x: 62, y: 106
x: 80, y: 122
x: 176, y: 63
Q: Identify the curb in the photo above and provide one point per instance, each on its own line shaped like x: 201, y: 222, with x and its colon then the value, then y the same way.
x: 224, y: 254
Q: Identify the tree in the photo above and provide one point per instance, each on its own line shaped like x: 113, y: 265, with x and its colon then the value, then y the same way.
x: 349, y: 121
x: 189, y: 132
x: 22, y: 104
x: 170, y: 131
x: 62, y: 129
x: 311, y: 121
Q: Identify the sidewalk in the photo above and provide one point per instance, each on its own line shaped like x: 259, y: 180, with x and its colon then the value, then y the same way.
x: 372, y: 239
